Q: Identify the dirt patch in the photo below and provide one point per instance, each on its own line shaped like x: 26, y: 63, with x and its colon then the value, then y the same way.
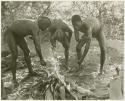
x: 86, y: 78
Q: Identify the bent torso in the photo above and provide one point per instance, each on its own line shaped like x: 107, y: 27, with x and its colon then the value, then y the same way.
x: 92, y: 23
x: 22, y: 28
x: 58, y: 24
x: 60, y: 27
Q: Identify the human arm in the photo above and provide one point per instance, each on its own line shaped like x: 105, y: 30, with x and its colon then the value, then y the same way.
x: 76, y: 32
x: 87, y: 39
x: 36, y: 39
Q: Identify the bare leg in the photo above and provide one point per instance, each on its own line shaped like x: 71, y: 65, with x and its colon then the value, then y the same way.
x: 66, y: 56
x: 101, y: 40
x: 79, y: 47
x: 23, y: 45
x: 13, y: 48
x: 66, y: 46
x: 85, y: 52
x: 3, y: 91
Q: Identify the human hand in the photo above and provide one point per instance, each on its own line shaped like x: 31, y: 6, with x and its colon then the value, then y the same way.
x: 43, y: 63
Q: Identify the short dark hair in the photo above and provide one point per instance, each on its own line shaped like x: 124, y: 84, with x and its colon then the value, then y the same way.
x: 43, y: 22
x: 75, y: 18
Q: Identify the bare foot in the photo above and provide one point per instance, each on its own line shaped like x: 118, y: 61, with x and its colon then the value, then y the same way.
x: 43, y: 63
x: 101, y: 72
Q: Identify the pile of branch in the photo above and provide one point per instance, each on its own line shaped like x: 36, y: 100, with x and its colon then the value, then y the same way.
x: 53, y: 88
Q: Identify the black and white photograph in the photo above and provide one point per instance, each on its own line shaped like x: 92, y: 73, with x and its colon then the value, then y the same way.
x: 62, y: 50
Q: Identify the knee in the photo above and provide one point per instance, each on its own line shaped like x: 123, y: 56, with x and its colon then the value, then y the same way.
x: 103, y: 50
x: 27, y: 53
x: 78, y: 48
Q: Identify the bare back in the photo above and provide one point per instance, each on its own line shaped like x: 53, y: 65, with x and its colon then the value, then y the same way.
x: 95, y: 25
x: 23, y: 28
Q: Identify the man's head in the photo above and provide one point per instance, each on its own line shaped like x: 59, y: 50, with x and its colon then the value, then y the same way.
x: 43, y: 23
x: 57, y: 35
x: 76, y: 21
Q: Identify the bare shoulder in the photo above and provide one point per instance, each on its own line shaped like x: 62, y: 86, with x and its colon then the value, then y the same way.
x: 93, y: 22
x: 29, y: 23
x: 58, y: 22
x: 25, y: 21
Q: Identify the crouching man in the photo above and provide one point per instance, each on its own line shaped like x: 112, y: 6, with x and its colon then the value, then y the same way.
x: 91, y: 27
x: 59, y: 31
x: 15, y: 36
